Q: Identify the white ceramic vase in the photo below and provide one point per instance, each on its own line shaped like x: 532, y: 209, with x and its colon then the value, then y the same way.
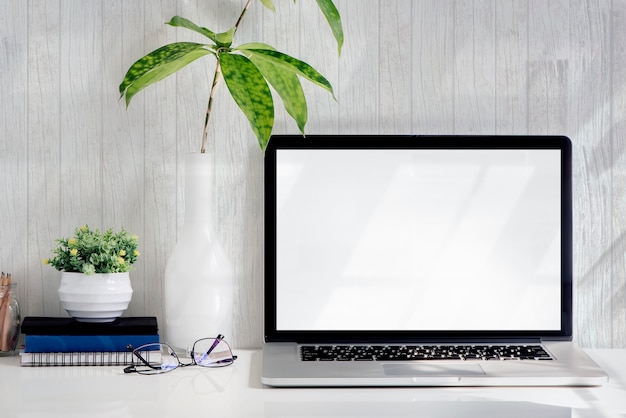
x: 100, y: 297
x: 199, y: 280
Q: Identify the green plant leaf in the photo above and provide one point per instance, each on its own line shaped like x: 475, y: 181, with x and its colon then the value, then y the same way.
x: 269, y: 4
x: 286, y: 84
x: 334, y: 20
x: 182, y: 22
x: 224, y: 39
x: 251, y: 93
x: 146, y: 63
x: 265, y: 52
x: 159, y: 64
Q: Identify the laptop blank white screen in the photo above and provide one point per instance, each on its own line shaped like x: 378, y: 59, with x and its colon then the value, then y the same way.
x: 418, y: 240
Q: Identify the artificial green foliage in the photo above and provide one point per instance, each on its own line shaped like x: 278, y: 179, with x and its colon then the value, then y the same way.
x: 246, y: 69
x: 91, y: 251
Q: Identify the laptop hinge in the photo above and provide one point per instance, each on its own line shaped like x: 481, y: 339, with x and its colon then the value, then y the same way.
x: 429, y: 341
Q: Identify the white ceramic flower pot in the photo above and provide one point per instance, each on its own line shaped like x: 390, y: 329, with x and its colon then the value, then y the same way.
x: 99, y: 297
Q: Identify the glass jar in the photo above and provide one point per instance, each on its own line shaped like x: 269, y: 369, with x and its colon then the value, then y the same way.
x: 9, y: 319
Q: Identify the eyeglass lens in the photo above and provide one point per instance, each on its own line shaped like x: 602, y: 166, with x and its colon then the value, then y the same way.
x: 212, y: 352
x: 155, y: 358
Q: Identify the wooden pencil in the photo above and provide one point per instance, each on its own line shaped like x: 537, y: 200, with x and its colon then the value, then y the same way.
x: 5, y: 283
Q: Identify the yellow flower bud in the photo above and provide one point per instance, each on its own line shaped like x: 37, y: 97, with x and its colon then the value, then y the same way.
x: 120, y: 260
x: 122, y: 253
x: 46, y: 261
x: 83, y: 228
x: 136, y: 253
x: 73, y: 252
x: 72, y: 242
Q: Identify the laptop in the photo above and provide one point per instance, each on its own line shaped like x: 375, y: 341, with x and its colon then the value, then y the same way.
x: 405, y: 260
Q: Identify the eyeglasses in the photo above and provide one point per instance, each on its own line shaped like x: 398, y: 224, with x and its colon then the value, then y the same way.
x: 159, y: 358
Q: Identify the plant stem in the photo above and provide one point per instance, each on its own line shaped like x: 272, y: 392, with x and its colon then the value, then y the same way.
x: 243, y: 12
x: 216, y: 79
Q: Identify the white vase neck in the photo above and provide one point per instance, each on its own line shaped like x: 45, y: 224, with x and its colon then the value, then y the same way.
x: 198, y: 187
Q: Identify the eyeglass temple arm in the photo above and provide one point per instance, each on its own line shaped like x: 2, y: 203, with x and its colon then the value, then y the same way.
x: 136, y: 353
x: 218, y: 339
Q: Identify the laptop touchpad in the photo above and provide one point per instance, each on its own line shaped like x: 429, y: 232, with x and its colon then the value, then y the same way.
x: 427, y: 370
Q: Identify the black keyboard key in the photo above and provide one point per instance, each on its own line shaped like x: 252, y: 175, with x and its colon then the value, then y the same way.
x: 415, y: 352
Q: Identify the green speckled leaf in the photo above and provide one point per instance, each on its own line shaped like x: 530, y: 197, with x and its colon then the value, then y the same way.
x: 250, y: 92
x: 159, y: 64
x: 224, y: 39
x: 334, y: 20
x: 288, y: 63
x: 286, y: 84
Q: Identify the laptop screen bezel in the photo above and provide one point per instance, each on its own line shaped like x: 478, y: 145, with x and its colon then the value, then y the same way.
x: 383, y: 142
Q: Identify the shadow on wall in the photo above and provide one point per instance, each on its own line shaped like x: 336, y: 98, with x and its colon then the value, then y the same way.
x: 600, y: 320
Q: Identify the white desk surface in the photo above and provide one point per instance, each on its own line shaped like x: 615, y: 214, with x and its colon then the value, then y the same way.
x: 236, y: 391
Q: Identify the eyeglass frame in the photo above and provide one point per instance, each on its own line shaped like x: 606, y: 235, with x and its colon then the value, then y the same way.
x: 136, y: 352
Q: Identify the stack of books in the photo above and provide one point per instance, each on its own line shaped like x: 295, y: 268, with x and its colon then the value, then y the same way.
x: 52, y: 341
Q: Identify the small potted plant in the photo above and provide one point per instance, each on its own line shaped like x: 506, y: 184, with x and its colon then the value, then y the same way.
x: 95, y: 281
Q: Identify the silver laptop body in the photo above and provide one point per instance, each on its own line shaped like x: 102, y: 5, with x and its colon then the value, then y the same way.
x: 383, y: 252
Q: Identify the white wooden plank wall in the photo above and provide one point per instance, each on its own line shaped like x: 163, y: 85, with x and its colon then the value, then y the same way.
x: 70, y: 153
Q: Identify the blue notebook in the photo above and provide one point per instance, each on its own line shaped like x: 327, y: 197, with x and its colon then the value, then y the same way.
x: 84, y: 343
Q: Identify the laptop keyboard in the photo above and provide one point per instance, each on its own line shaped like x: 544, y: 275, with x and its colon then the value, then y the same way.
x: 422, y: 352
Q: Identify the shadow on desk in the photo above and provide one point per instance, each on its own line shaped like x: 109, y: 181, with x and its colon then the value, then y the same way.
x: 256, y: 360
x: 472, y: 409
x: 507, y: 402
x: 328, y: 403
